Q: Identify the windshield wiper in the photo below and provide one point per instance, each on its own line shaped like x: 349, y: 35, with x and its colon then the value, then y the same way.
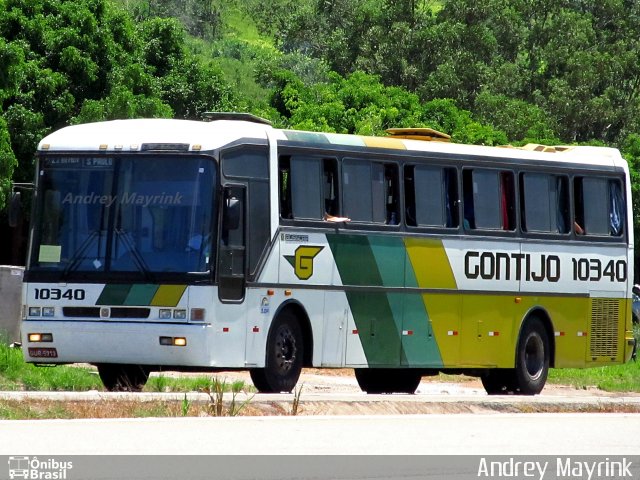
x: 135, y: 253
x: 76, y: 259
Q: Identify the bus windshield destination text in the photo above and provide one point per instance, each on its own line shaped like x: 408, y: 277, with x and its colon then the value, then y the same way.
x: 539, y: 267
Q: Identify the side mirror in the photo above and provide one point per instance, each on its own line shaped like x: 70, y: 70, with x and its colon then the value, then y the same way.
x: 15, y: 209
x: 231, y: 214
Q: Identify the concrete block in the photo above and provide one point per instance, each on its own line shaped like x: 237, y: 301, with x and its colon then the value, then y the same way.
x: 10, y: 302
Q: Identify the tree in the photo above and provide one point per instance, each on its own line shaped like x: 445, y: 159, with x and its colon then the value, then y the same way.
x: 87, y: 60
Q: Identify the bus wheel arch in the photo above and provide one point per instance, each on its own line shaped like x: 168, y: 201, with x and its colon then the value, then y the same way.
x: 285, y: 350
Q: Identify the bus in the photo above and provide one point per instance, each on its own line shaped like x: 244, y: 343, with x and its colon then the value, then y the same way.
x: 227, y: 244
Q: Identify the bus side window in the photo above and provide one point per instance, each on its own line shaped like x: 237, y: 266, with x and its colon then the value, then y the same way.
x: 370, y: 191
x: 467, y: 202
x: 308, y: 188
x: 489, y: 199
x: 284, y: 187
x: 595, y: 205
x: 392, y: 203
x: 617, y: 208
x: 330, y: 184
x: 599, y: 206
x: 431, y: 194
x: 507, y: 201
x: 545, y: 203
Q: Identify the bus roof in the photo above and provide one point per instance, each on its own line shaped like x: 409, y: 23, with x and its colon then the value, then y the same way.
x: 130, y: 135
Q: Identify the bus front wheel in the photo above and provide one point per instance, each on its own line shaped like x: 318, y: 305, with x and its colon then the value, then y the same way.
x: 284, y: 356
x: 123, y: 378
x: 532, y: 358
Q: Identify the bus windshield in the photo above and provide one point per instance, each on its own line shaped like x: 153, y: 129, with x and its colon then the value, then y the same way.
x: 130, y: 215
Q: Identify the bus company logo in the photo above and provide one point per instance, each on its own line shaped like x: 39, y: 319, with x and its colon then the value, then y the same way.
x: 302, y: 261
x: 33, y: 468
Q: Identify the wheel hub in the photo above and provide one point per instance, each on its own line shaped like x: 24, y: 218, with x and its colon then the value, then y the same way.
x: 285, y: 350
x: 534, y: 356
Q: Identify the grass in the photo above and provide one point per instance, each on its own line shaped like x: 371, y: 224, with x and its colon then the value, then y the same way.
x: 163, y: 383
x: 15, y: 374
x: 614, y: 378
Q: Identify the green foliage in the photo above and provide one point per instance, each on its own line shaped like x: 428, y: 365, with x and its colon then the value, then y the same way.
x: 517, y: 118
x: 201, y: 18
x: 361, y: 104
x: 7, y: 161
x: 67, y: 62
x: 568, y: 68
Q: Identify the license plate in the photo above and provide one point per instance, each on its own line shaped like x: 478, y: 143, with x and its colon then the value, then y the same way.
x: 43, y: 352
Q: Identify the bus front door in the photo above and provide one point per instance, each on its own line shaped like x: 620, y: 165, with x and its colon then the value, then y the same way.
x: 232, y: 254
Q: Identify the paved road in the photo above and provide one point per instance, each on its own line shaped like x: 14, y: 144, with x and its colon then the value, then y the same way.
x: 490, y: 434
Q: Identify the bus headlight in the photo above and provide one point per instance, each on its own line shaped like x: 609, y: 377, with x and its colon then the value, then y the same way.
x: 173, y: 341
x: 40, y: 337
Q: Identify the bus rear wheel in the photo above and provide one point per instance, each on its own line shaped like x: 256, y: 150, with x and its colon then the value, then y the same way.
x: 123, y: 378
x: 388, y: 380
x: 284, y: 357
x: 499, y: 381
x: 532, y: 358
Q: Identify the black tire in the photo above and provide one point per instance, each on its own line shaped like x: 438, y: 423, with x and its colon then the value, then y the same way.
x: 532, y: 358
x: 499, y: 381
x: 123, y: 378
x: 388, y: 380
x: 284, y: 357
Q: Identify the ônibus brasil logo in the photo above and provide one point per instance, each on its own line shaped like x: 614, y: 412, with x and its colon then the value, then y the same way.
x: 33, y: 468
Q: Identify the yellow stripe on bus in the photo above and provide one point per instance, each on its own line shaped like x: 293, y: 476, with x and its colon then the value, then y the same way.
x: 430, y: 263
x: 168, y: 295
x: 383, y: 142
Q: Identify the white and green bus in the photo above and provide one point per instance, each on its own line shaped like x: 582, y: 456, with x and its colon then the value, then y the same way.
x: 232, y: 245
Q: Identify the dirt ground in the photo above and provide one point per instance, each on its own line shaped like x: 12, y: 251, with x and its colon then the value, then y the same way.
x: 435, y: 395
x: 313, y: 380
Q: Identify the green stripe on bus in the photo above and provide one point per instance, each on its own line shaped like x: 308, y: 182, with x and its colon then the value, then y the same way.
x: 389, y: 255
x: 394, y: 328
x: 307, y: 137
x: 141, y: 294
x: 419, y: 343
x: 114, y: 294
x: 372, y: 311
x: 355, y: 260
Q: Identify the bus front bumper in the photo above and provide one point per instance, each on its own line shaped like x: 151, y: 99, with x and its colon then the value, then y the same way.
x: 105, y: 342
